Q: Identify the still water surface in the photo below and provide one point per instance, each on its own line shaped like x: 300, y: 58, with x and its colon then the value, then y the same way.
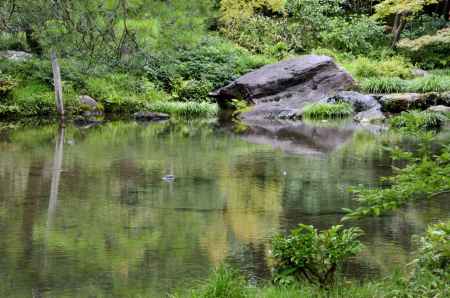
x: 86, y: 213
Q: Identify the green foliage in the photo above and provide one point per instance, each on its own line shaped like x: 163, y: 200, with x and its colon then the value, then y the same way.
x: 192, y: 90
x: 396, y: 66
x: 275, y: 37
x: 391, y: 7
x: 121, y: 86
x: 428, y: 51
x: 7, y: 83
x: 431, y: 271
x: 357, y: 34
x: 306, y: 254
x: 424, y: 25
x: 383, y: 85
x: 434, y: 249
x: 415, y: 121
x: 237, y: 10
x: 432, y: 83
x: 424, y: 176
x: 184, y: 109
x: 223, y: 283
x: 216, y: 61
x: 327, y: 110
x: 311, y: 17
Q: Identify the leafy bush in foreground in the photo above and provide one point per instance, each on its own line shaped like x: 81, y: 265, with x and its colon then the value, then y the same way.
x: 306, y: 254
x: 328, y: 110
x: 432, y: 266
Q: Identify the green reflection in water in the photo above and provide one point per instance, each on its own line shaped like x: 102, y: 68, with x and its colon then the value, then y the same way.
x: 117, y: 229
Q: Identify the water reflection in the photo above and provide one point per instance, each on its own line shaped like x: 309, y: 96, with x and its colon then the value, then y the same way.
x: 120, y: 230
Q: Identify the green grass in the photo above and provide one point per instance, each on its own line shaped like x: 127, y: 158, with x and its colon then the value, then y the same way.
x: 184, y: 109
x: 414, y: 121
x: 432, y: 83
x: 383, y: 85
x: 327, y: 110
x: 227, y: 283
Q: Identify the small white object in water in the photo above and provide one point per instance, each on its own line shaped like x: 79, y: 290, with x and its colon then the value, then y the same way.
x: 284, y: 173
x: 169, y: 178
x: 71, y: 142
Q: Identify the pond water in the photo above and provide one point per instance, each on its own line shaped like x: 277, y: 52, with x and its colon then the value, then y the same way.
x: 87, y: 213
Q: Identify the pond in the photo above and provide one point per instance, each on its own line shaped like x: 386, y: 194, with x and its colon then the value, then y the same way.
x: 128, y: 209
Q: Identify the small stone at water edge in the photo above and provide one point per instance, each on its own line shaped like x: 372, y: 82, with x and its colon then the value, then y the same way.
x: 169, y: 178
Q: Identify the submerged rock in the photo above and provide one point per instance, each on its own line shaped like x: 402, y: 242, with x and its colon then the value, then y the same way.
x: 280, y: 90
x: 374, y: 115
x: 150, y: 116
x: 18, y: 56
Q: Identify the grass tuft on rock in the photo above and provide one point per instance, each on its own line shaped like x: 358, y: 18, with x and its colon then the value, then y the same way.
x: 327, y: 110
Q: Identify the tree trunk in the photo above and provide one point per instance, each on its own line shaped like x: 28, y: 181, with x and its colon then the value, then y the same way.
x: 58, y: 85
x: 399, y: 25
x: 447, y: 10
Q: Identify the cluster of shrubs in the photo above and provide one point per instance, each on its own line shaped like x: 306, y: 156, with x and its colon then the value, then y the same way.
x: 428, y: 51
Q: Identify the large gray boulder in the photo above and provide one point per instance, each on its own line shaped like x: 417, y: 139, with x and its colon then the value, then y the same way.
x: 280, y: 90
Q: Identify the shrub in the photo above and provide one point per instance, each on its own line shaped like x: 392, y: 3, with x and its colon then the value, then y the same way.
x: 192, y: 90
x: 34, y: 98
x: 215, y: 61
x: 120, y: 87
x: 383, y: 85
x: 396, y: 66
x: 357, y: 34
x: 434, y: 249
x: 428, y: 51
x: 432, y: 265
x: 414, y: 121
x: 264, y: 35
x: 328, y: 110
x: 7, y: 83
x: 424, y: 25
x: 306, y: 254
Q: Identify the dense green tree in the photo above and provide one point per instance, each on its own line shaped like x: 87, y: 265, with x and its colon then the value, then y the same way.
x: 403, y: 10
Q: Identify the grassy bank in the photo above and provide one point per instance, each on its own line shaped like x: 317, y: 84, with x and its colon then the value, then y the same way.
x: 225, y: 282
